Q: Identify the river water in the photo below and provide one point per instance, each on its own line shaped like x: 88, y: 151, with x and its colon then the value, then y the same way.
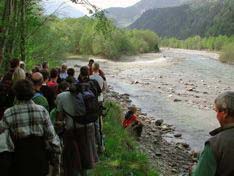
x: 178, y: 86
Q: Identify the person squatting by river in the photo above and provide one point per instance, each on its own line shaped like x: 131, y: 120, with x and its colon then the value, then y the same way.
x: 26, y: 127
x: 132, y: 122
x: 218, y: 155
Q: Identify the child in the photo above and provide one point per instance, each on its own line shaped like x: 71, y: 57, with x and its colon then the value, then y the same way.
x: 132, y: 121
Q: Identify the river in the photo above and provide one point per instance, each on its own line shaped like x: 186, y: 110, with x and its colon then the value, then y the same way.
x: 178, y: 86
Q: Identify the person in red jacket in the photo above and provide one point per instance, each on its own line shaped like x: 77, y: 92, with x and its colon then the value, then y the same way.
x: 132, y: 121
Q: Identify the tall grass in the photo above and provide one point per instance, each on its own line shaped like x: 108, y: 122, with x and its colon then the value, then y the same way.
x: 227, y: 55
x: 121, y: 157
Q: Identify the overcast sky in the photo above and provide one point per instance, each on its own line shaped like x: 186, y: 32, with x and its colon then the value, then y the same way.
x: 99, y: 3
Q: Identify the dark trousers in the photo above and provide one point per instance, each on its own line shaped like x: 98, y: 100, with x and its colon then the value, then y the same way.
x: 5, y: 163
x: 30, y: 158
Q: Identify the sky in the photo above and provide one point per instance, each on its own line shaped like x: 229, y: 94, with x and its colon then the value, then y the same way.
x: 70, y: 8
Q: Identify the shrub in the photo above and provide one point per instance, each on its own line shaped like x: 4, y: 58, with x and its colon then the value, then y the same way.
x: 227, y: 55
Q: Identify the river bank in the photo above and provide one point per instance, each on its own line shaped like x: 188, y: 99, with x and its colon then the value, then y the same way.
x: 178, y: 86
x: 122, y: 156
x: 169, y: 158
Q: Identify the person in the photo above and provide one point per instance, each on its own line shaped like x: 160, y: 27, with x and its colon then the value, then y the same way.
x: 218, y: 154
x: 101, y: 82
x: 90, y: 66
x: 53, y: 80
x: 38, y: 98
x: 47, y: 91
x: 22, y: 65
x: 45, y: 66
x: 131, y: 120
x: 6, y: 93
x: 63, y: 86
x: 99, y: 122
x: 31, y: 131
x: 63, y: 73
x: 70, y: 78
x: 18, y: 74
x: 79, y: 140
x: 37, y: 68
x: 6, y: 151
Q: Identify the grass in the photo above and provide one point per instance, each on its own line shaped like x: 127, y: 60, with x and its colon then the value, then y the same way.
x: 121, y: 158
x: 227, y: 55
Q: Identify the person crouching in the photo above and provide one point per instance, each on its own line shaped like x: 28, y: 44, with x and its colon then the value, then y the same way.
x: 133, y: 122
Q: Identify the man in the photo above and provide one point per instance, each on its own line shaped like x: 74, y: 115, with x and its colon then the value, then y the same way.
x: 63, y: 73
x: 79, y: 139
x: 101, y: 82
x: 53, y: 80
x: 38, y: 98
x: 90, y: 66
x: 70, y: 78
x: 98, y: 124
x: 218, y: 155
x: 47, y: 91
x: 31, y: 129
x: 45, y: 66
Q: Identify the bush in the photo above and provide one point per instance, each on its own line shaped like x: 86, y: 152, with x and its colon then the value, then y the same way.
x: 227, y: 55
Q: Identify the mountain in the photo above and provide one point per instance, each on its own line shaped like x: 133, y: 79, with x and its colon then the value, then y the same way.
x: 61, y: 9
x: 204, y: 18
x: 125, y: 16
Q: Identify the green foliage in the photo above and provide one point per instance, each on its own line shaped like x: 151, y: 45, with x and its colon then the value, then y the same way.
x: 221, y: 43
x: 99, y: 36
x: 121, y: 157
x: 227, y: 55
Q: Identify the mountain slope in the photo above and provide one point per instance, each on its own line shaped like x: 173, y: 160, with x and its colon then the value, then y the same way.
x: 204, y: 19
x: 125, y: 16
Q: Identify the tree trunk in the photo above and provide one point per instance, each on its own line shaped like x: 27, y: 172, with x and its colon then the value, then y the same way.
x: 22, y: 30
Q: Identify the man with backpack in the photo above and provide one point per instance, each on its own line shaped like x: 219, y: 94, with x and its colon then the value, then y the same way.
x: 98, y: 124
x: 38, y: 98
x: 79, y: 109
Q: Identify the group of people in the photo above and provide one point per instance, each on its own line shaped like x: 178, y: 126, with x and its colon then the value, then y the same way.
x: 49, y: 119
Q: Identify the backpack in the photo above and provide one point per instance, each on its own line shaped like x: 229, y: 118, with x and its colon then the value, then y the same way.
x: 85, y: 103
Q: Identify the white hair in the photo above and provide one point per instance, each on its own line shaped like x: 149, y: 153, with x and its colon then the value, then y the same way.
x: 225, y: 102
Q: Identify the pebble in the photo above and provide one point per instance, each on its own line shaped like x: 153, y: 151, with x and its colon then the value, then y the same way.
x: 176, y: 100
x: 177, y: 135
x: 159, y: 122
x: 190, y: 89
x: 158, y: 153
x: 174, y: 170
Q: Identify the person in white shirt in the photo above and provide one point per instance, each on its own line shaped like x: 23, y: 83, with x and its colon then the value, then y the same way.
x: 96, y: 76
x: 98, y: 124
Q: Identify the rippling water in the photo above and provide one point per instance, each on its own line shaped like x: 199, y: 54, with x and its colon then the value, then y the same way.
x: 158, y: 74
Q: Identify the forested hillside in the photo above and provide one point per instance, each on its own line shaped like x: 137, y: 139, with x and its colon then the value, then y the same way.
x: 125, y: 16
x: 209, y: 18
